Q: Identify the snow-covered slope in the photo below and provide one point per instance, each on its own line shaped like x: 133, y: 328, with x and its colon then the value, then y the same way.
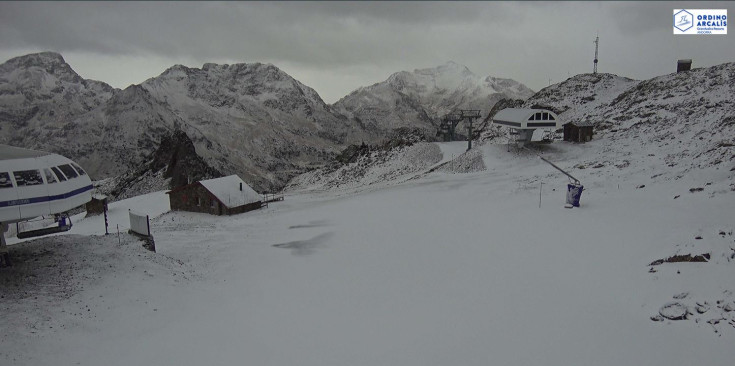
x: 685, y: 120
x: 421, y: 97
x: 581, y: 94
x: 469, y: 269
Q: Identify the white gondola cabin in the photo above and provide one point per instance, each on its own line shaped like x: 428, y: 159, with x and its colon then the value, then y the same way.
x: 36, y: 183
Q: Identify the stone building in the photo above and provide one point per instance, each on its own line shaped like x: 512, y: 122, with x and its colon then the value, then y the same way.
x: 220, y: 196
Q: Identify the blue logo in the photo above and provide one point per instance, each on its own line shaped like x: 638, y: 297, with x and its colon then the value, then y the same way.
x: 683, y: 20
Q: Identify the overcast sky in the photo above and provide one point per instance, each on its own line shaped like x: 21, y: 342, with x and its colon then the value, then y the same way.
x: 336, y: 47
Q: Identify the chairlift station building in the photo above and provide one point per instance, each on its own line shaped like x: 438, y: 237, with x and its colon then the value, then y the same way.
x: 524, y: 121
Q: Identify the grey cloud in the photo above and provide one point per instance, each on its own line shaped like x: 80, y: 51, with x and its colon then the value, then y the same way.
x: 531, y: 42
x: 634, y: 18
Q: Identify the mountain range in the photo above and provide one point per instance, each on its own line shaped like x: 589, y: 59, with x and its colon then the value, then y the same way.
x: 251, y: 119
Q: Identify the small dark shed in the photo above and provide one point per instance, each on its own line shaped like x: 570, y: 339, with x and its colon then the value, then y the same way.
x: 220, y: 196
x: 578, y: 131
x: 97, y: 205
x: 683, y: 65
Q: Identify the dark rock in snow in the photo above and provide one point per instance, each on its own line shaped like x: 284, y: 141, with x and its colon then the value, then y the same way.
x: 682, y: 258
x: 674, y: 311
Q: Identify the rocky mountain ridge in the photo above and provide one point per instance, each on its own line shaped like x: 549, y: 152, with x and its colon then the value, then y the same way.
x: 268, y: 125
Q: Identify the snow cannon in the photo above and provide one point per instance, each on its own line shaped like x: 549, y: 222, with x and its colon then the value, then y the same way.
x: 574, y: 188
x: 574, y: 193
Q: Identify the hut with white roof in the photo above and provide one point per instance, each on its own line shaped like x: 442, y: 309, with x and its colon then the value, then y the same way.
x: 220, y: 196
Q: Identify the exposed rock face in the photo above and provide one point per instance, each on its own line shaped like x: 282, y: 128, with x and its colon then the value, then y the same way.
x: 174, y: 163
x: 176, y: 153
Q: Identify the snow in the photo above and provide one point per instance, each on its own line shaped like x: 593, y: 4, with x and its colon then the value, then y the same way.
x: 451, y: 149
x: 445, y: 268
x: 227, y: 190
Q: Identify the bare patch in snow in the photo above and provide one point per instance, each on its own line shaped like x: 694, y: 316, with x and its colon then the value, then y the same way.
x: 305, y: 247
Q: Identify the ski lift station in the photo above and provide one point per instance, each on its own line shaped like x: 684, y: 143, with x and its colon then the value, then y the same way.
x: 525, y: 121
x: 36, y: 183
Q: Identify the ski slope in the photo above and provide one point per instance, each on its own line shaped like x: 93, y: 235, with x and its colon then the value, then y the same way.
x: 445, y: 269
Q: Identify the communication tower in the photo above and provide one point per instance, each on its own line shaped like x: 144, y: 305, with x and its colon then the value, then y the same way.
x: 597, y: 45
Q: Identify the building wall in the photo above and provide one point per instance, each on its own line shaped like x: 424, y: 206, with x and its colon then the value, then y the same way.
x: 577, y: 134
x: 195, y: 198
x: 95, y: 207
x: 585, y: 134
x: 244, y: 208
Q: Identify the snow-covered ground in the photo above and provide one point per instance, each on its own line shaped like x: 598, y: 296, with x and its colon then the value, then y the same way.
x: 443, y: 269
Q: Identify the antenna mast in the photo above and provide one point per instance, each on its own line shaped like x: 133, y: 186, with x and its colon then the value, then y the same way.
x: 597, y: 45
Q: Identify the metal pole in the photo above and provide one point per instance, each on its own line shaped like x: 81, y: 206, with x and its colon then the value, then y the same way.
x: 576, y: 181
x: 469, y: 137
x: 105, y: 210
x: 539, y: 194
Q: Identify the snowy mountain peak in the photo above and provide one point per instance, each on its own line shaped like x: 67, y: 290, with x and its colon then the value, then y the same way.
x: 131, y: 94
x: 34, y: 64
x: 420, y: 98
x: 41, y: 59
x: 450, y: 67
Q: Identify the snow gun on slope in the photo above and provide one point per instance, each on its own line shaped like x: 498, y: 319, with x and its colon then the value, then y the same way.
x: 574, y: 188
